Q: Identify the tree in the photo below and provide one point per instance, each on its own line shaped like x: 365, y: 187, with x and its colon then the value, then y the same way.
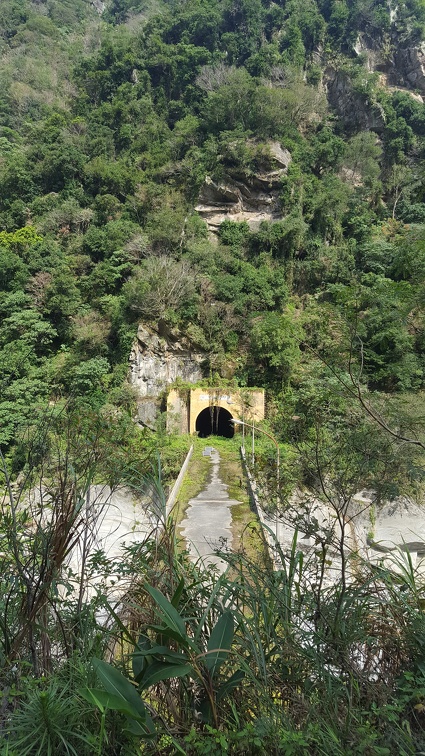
x: 62, y: 300
x: 275, y: 343
x: 361, y: 158
x: 159, y: 287
x: 401, y: 181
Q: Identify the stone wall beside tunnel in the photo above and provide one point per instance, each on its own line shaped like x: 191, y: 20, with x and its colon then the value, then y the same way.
x: 159, y: 358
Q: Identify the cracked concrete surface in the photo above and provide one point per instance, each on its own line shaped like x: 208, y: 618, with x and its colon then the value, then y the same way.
x: 208, y: 521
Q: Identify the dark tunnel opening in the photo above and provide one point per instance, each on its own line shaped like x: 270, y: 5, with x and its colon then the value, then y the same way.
x: 214, y: 421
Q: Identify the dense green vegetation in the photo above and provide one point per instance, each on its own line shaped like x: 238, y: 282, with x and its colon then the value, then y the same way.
x: 100, y: 170
x: 109, y: 125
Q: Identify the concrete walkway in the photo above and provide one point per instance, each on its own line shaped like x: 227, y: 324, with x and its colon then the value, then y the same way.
x: 207, y: 525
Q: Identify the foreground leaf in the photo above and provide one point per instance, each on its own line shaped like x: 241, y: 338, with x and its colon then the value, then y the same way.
x: 177, y: 593
x: 104, y: 700
x: 168, y: 613
x: 163, y: 671
x: 219, y: 643
x: 118, y: 685
x: 144, y: 729
x: 229, y: 684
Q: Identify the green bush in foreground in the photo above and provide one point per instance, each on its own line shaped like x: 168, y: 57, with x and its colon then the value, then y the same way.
x: 249, y: 662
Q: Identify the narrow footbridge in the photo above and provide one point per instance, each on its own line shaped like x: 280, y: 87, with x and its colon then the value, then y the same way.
x: 209, y: 517
x: 207, y: 526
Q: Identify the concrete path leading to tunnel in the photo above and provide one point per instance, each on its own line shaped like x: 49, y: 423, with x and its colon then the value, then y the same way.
x: 208, y: 521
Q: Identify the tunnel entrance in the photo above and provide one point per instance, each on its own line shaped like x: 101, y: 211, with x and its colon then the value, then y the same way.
x: 214, y: 421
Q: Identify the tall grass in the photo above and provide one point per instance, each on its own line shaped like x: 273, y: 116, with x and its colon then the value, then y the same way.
x: 301, y: 669
x: 308, y: 683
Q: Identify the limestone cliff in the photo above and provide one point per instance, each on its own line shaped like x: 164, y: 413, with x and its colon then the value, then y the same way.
x: 243, y: 196
x: 157, y: 361
x: 356, y: 109
x: 410, y: 63
x: 400, y: 67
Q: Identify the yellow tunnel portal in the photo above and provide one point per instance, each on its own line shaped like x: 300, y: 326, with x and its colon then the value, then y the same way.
x: 208, y: 411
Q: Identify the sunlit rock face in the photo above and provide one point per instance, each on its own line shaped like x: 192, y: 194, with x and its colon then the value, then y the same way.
x: 401, y: 67
x: 242, y: 196
x: 99, y: 6
x: 156, y: 362
x: 410, y: 63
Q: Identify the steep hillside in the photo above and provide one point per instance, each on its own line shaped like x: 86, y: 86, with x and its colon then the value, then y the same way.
x: 248, y: 174
x: 232, y: 192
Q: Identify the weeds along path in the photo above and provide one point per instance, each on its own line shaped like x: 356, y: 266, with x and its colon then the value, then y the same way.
x: 212, y: 510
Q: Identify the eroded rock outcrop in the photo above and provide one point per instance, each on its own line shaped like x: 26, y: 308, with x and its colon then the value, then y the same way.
x: 403, y: 68
x: 400, y: 69
x: 157, y: 361
x: 99, y: 6
x: 356, y: 110
x: 242, y: 197
x: 410, y: 63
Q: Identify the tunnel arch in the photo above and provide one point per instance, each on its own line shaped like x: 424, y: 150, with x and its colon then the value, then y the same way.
x: 214, y: 421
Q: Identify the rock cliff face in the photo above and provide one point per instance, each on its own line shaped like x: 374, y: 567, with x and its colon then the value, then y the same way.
x: 373, y: 56
x: 99, y: 6
x: 156, y: 362
x: 410, y: 63
x: 242, y: 197
x: 402, y: 67
x: 354, y: 108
